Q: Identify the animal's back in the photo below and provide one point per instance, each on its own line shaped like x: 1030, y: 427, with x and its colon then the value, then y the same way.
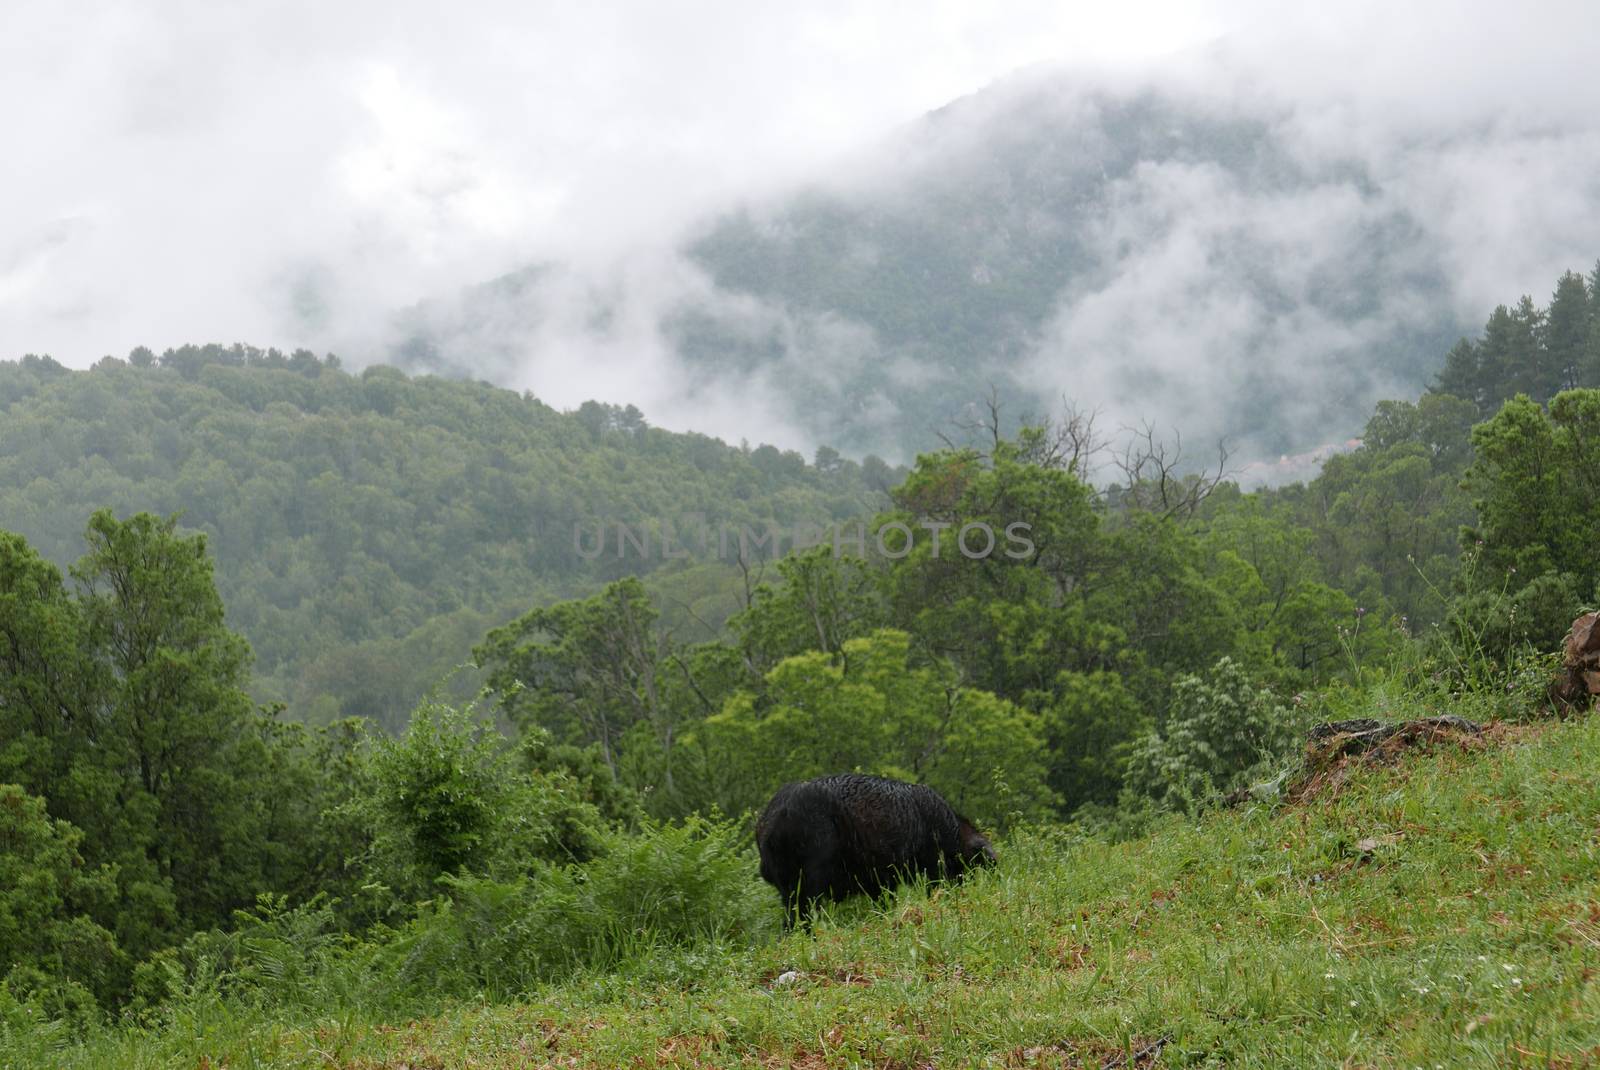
x: 889, y: 824
x: 851, y: 832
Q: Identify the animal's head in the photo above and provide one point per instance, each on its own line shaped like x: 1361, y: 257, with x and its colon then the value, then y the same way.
x: 976, y: 850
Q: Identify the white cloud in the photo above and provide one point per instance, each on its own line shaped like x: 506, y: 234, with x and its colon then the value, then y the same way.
x: 295, y: 173
x: 195, y: 155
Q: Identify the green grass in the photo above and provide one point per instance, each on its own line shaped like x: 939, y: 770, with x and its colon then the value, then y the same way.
x: 1255, y: 938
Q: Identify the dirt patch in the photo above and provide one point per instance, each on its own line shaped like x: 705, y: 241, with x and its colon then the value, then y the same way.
x: 1510, y: 732
x: 1335, y: 750
x: 1072, y: 956
x: 800, y: 1058
x: 848, y: 976
x: 1582, y: 1060
x: 684, y: 1049
x: 807, y: 1058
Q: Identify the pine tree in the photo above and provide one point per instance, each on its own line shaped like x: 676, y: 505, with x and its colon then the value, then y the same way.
x: 1530, y: 367
x: 1497, y: 366
x: 1566, y: 331
x: 1589, y: 366
x: 1460, y: 375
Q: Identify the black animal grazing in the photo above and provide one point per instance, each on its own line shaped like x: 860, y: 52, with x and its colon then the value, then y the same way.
x: 838, y: 835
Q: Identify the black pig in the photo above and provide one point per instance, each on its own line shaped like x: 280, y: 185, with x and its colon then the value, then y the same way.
x: 835, y: 836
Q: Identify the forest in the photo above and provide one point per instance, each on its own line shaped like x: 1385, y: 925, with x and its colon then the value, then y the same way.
x: 303, y: 689
x: 389, y: 519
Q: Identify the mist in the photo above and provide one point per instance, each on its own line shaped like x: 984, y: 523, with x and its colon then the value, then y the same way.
x: 355, y: 179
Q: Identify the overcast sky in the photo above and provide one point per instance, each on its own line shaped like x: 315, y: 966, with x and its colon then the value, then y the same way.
x: 171, y: 170
x: 292, y: 173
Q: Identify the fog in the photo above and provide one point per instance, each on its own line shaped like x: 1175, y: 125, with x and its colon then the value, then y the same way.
x: 334, y: 176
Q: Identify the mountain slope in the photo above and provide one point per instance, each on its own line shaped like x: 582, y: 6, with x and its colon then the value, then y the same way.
x: 369, y: 529
x: 1152, y: 256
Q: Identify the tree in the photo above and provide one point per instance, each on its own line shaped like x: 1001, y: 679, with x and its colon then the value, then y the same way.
x: 871, y: 709
x: 1589, y: 368
x: 1499, y: 367
x: 820, y: 601
x: 122, y: 705
x: 174, y: 704
x: 49, y: 939
x: 1461, y: 375
x: 1387, y: 516
x: 448, y: 797
x: 583, y: 669
x: 1528, y: 520
x: 1091, y: 721
x: 984, y: 612
x: 591, y: 669
x: 47, y: 682
x: 1439, y: 421
x: 1536, y: 485
x: 1566, y: 332
x: 1533, y: 372
x: 1293, y: 623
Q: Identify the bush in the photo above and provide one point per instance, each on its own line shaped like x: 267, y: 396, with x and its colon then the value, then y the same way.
x: 663, y: 887
x: 274, y: 954
x: 452, y: 797
x: 1221, y: 733
x: 1493, y: 628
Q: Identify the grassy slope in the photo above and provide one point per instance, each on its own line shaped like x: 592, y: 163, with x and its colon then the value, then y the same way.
x: 1470, y: 938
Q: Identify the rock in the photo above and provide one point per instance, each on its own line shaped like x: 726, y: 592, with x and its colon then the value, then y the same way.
x: 1579, y: 681
x: 1584, y: 638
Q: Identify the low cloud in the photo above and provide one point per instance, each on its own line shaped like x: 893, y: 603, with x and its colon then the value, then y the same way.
x: 348, y: 178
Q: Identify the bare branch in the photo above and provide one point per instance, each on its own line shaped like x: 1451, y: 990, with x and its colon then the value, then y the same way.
x: 750, y: 583
x: 985, y: 424
x: 1070, y: 443
x: 1152, y: 470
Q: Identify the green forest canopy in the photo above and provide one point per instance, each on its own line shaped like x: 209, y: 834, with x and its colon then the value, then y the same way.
x: 369, y: 528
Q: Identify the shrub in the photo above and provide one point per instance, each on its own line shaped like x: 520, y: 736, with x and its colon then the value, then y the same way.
x: 273, y: 955
x: 452, y: 797
x: 663, y: 887
x: 1221, y: 732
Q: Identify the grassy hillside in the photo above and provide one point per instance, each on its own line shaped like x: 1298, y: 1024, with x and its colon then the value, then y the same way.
x: 1467, y: 933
